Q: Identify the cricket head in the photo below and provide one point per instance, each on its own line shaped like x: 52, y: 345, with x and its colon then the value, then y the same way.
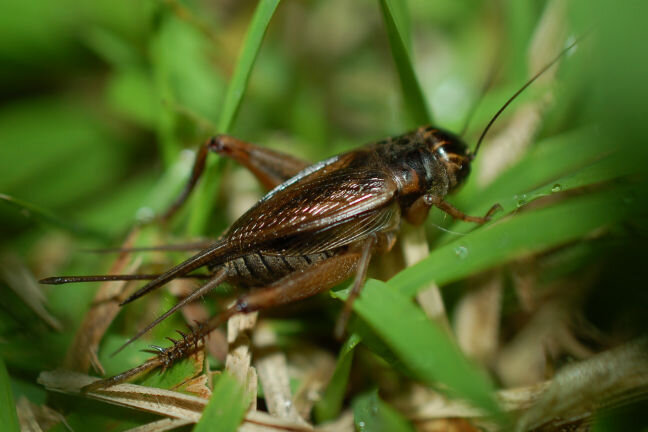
x: 454, y: 154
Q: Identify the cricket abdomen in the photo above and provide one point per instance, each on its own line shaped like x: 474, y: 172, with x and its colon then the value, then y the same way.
x: 259, y: 269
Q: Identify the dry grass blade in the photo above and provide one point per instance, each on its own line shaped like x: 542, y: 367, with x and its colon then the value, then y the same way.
x: 104, y: 309
x: 239, y: 359
x: 186, y: 408
x: 582, y: 388
x: 26, y: 416
x: 270, y: 423
x: 423, y: 404
x: 344, y: 423
x: 23, y: 283
x: 415, y: 248
x: 161, y: 425
x: 272, y: 368
x: 477, y: 320
x: 154, y: 400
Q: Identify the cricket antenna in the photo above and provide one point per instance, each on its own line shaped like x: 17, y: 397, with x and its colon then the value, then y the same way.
x: 517, y: 93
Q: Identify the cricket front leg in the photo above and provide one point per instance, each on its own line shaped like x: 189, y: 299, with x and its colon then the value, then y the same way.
x: 296, y: 286
x: 270, y: 167
x: 417, y: 213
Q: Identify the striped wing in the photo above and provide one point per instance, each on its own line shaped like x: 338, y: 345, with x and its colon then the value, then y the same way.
x: 320, y: 211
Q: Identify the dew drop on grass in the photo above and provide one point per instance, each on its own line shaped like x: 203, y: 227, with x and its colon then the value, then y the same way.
x: 144, y: 214
x: 521, y: 200
x: 461, y: 251
x: 556, y: 188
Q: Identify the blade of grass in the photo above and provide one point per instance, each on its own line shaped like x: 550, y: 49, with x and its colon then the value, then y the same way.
x: 526, y: 233
x: 427, y: 350
x: 46, y: 216
x: 7, y: 404
x: 608, y: 168
x: 204, y: 196
x: 546, y: 161
x: 330, y: 405
x: 396, y: 23
x: 371, y: 414
x: 226, y: 408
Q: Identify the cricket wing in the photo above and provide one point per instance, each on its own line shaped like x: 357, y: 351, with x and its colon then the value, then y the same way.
x: 314, y: 205
x: 333, y: 236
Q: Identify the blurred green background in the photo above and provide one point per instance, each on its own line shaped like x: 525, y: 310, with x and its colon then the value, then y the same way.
x: 100, y: 100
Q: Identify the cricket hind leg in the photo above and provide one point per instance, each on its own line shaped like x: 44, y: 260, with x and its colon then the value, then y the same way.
x: 298, y: 285
x: 217, y: 278
x: 270, y: 167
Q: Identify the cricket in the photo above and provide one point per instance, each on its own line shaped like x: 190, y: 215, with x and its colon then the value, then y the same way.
x: 318, y: 226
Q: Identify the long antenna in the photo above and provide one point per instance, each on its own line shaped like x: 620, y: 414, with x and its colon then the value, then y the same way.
x: 517, y: 93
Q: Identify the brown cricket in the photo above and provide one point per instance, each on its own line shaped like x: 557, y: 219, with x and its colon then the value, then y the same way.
x: 318, y: 226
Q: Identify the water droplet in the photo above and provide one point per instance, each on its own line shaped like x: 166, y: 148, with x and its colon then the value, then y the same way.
x: 521, y: 203
x: 144, y: 214
x: 461, y: 251
x: 361, y: 425
x: 556, y: 188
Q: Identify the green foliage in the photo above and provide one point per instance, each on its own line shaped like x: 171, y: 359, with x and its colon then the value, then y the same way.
x: 427, y: 350
x: 99, y: 101
x: 373, y: 415
x: 397, y: 25
x: 231, y: 103
x: 7, y: 405
x: 226, y: 407
x: 330, y: 405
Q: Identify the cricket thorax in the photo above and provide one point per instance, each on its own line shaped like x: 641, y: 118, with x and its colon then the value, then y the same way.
x: 423, y: 161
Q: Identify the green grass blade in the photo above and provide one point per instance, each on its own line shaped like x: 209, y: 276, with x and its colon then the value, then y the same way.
x: 204, y: 196
x: 226, y: 408
x: 427, y: 350
x: 526, y: 233
x: 608, y: 168
x: 396, y: 23
x: 373, y: 415
x: 7, y: 403
x: 330, y: 405
x: 548, y: 160
x: 251, y: 46
x: 46, y: 216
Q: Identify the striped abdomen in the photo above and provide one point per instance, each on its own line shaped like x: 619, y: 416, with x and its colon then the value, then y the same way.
x: 258, y: 269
